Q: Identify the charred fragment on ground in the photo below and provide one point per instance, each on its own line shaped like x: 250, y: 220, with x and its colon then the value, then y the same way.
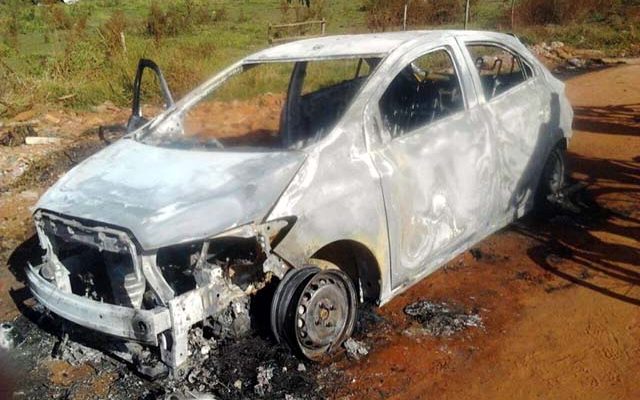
x: 442, y: 319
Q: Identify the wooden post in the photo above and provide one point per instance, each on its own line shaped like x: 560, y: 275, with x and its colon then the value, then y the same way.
x: 513, y: 14
x: 466, y: 15
x: 404, y: 18
x: 123, y: 42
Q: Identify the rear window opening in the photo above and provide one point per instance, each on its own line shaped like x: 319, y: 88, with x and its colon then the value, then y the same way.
x: 284, y: 106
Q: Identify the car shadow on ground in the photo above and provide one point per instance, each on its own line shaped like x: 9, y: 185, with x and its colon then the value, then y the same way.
x: 595, y: 248
x: 622, y: 119
x: 28, y: 252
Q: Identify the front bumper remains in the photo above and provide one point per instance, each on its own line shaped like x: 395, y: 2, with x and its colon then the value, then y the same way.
x: 124, y: 322
x: 164, y: 325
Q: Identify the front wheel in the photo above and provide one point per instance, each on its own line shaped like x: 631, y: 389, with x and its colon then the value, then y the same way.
x: 314, y: 311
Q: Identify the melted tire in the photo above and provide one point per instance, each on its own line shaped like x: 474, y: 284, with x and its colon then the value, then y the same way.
x: 282, y: 299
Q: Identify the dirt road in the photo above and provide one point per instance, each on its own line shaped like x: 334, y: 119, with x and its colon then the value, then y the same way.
x: 559, y: 300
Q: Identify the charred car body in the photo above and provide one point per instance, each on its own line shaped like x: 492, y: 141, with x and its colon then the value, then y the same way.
x: 380, y: 157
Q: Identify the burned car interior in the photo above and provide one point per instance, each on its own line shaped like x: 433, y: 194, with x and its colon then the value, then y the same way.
x: 426, y: 90
x: 273, y: 184
x: 303, y: 102
x: 499, y: 68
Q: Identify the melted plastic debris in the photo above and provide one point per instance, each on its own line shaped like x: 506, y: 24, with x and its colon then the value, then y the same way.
x: 441, y: 319
x: 355, y: 349
x: 9, y: 336
x: 75, y: 353
x: 264, y: 376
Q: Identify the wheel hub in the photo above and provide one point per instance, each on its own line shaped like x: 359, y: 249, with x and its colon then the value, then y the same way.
x: 322, y: 312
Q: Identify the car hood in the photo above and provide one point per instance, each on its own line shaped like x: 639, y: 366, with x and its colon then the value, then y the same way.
x: 167, y: 196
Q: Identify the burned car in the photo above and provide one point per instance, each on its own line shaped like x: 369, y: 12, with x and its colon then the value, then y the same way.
x: 336, y: 171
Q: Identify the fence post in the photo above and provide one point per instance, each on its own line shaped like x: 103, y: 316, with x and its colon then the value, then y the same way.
x: 404, y: 18
x: 466, y: 15
x: 123, y: 42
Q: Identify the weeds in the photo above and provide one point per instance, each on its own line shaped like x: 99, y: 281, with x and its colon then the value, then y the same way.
x: 540, y: 12
x: 57, y: 17
x: 53, y: 50
x: 112, y: 33
x: 300, y: 12
x: 386, y: 14
x: 181, y: 17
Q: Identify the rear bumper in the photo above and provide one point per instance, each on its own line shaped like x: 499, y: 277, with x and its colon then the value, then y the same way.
x: 124, y: 322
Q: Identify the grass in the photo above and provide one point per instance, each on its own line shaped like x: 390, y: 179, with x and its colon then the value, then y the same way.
x: 74, y: 52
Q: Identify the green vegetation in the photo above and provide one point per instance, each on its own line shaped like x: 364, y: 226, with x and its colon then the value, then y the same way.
x: 83, y: 54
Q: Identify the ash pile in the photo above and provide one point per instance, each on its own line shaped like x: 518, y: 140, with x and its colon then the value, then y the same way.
x: 442, y: 319
x: 249, y: 368
x: 252, y: 367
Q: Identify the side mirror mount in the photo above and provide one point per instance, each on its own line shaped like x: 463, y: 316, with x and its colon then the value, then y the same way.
x: 136, y: 119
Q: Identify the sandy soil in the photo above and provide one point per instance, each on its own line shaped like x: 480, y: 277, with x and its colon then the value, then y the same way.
x: 558, y: 299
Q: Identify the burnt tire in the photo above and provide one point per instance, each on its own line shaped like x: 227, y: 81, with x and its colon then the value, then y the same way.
x: 282, y: 300
x: 314, y: 311
x: 552, y: 180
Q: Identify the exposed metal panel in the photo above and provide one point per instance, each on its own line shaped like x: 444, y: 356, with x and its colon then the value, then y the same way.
x: 437, y: 183
x: 169, y: 196
x: 115, y: 320
x: 335, y: 196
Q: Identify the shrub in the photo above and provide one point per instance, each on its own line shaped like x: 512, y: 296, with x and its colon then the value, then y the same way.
x: 180, y: 17
x: 111, y: 32
x: 57, y: 17
x: 12, y: 28
x: 383, y: 14
x: 540, y: 12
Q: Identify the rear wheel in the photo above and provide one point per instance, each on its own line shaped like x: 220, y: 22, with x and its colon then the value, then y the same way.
x: 314, y: 311
x: 552, y: 181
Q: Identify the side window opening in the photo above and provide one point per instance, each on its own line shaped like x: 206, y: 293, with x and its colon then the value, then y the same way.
x: 327, y: 91
x: 426, y: 90
x: 499, y: 69
x: 268, y: 106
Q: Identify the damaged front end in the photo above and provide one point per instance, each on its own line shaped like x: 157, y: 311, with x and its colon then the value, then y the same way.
x: 98, y: 277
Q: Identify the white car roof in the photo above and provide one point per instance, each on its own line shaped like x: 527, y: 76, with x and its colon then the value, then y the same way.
x: 356, y: 46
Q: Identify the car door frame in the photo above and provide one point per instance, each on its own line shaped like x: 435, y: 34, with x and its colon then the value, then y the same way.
x: 377, y: 138
x: 520, y: 201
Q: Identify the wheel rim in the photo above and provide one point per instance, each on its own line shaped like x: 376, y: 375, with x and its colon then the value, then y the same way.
x: 283, y: 299
x: 325, y: 313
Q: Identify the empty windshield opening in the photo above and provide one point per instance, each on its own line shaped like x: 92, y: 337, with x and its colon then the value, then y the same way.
x: 267, y: 106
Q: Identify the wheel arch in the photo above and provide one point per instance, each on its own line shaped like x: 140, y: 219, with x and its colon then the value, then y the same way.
x: 357, y: 261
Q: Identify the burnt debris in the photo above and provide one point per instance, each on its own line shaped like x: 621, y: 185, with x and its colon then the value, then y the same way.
x: 442, y: 319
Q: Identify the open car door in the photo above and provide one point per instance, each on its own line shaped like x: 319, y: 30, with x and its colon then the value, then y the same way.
x: 137, y: 119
